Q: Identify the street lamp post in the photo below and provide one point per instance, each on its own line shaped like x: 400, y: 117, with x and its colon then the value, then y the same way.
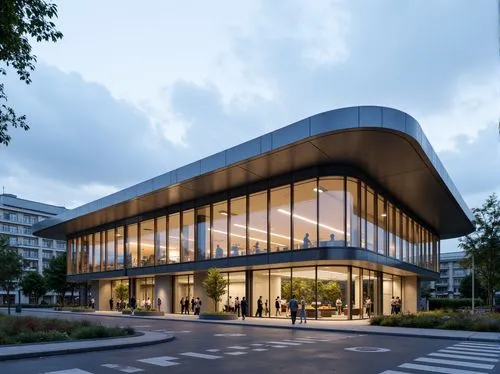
x: 473, y: 284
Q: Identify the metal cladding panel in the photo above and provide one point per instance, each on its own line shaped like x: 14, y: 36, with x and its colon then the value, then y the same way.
x: 385, y: 144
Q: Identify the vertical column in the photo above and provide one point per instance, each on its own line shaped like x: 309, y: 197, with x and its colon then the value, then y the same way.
x: 163, y: 290
x: 103, y: 294
x: 201, y: 230
x: 410, y: 294
x: 206, y: 303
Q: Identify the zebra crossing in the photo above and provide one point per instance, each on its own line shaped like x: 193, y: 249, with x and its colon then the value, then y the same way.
x: 461, y: 358
x: 207, y: 354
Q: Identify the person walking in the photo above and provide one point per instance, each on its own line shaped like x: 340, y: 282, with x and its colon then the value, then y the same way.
x: 303, y: 309
x: 244, y: 307
x: 293, y: 305
x: 158, y: 302
x: 186, y: 305
x: 193, y: 304
x: 182, y: 306
x: 197, y: 306
x: 111, y: 302
x: 260, y: 307
x: 277, y: 306
x: 237, y: 306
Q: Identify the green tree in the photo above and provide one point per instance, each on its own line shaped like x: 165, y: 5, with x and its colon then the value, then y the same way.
x: 33, y: 284
x: 55, y: 276
x: 329, y: 292
x: 483, y: 245
x: 22, y: 21
x: 466, y: 288
x: 121, y: 291
x: 215, y: 286
x: 11, y: 267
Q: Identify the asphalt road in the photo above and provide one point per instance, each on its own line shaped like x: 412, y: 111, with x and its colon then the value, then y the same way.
x: 212, y: 348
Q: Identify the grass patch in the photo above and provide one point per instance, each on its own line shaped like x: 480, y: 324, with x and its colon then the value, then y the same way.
x: 442, y: 320
x: 19, y: 330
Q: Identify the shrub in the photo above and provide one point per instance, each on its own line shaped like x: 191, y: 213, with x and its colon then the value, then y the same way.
x: 452, y: 304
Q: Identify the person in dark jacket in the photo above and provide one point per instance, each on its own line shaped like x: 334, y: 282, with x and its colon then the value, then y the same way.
x: 244, y: 307
x: 182, y: 305
x: 186, y: 305
x: 260, y: 307
x: 293, y: 305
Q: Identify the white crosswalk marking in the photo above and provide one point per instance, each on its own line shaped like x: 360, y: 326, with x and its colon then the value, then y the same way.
x: 473, y: 349
x: 283, y: 343
x: 455, y: 363
x: 305, y: 341
x: 279, y: 346
x: 123, y: 369
x: 471, y: 358
x: 213, y: 350
x: 259, y: 349
x: 163, y: 361
x: 468, y: 353
x: 237, y: 347
x: 257, y: 345
x: 438, y: 369
x: 482, y: 344
x: 237, y: 353
x: 69, y: 371
x: 394, y: 372
x: 200, y: 355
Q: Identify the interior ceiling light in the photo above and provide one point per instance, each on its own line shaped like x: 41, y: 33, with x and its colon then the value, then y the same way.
x: 283, y: 211
x: 265, y: 232
x: 260, y: 240
x: 319, y: 189
x: 223, y: 212
x: 383, y: 215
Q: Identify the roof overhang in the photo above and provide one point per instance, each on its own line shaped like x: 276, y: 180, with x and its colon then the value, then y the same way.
x: 385, y: 144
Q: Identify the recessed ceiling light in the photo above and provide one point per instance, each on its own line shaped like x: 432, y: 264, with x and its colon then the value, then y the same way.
x: 223, y: 212
x: 383, y: 215
x: 319, y: 189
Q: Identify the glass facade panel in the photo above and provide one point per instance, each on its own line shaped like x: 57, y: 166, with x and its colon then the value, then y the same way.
x: 132, y: 246
x: 362, y: 207
x: 391, y: 229
x: 280, y: 285
x: 174, y: 243
x: 371, y: 221
x: 260, y: 287
x: 356, y: 294
x: 332, y: 295
x: 280, y: 219
x: 353, y: 215
x: 236, y: 289
x: 382, y: 225
x: 110, y: 249
x: 238, y: 222
x: 257, y: 223
x: 219, y: 230
x: 370, y: 285
x: 304, y: 285
x: 183, y: 292
x: 98, y: 256
x: 78, y: 255
x: 305, y: 222
x: 90, y: 245
x: 405, y: 238
x: 147, y: 247
x: 188, y: 236
x: 203, y: 232
x: 120, y: 247
x: 145, y: 293
x: 398, y: 233
x: 161, y: 244
x: 331, y: 212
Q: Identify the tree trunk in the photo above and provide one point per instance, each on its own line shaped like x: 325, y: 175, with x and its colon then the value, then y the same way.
x: 8, y: 301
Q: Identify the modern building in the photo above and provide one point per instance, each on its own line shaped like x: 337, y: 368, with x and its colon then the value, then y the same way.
x: 345, y: 205
x: 451, y: 274
x: 17, y: 216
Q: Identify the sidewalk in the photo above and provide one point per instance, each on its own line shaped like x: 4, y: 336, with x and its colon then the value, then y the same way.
x: 14, y: 352
x: 354, y: 326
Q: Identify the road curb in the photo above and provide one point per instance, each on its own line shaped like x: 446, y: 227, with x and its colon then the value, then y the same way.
x: 65, y: 351
x: 416, y: 334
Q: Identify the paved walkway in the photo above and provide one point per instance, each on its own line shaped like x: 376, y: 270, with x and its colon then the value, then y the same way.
x: 11, y: 352
x: 354, y: 326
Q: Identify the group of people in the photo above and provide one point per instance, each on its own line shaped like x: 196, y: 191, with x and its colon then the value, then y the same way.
x: 132, y: 304
x: 395, y: 305
x: 194, y: 305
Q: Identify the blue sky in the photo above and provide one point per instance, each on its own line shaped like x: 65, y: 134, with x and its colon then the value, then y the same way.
x: 132, y: 92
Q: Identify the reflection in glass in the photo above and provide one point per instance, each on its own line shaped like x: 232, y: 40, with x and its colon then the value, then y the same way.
x: 280, y: 219
x: 391, y: 230
x: 371, y: 221
x: 352, y: 200
x: 97, y: 251
x: 120, y: 247
x: 238, y: 220
x: 257, y: 223
x: 398, y: 234
x: 161, y: 240
x: 404, y: 235
x: 187, y: 236
x: 110, y: 249
x: 203, y: 227
x: 304, y: 214
x: 147, y: 247
x: 78, y: 255
x: 174, y: 252
x: 382, y: 225
x: 132, y: 247
x: 331, y: 212
x: 219, y: 230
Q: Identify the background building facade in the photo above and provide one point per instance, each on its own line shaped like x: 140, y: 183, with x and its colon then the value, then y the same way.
x: 17, y: 216
x: 450, y: 275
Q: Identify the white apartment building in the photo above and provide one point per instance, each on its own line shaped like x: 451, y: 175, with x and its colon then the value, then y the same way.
x: 16, y: 218
x: 451, y: 274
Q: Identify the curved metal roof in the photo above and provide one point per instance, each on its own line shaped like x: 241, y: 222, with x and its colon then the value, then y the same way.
x: 387, y: 144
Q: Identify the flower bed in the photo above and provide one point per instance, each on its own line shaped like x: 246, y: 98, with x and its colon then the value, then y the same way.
x: 442, y: 320
x: 18, y: 330
x: 218, y: 316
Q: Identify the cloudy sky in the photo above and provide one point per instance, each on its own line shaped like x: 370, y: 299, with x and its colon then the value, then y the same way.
x: 134, y: 91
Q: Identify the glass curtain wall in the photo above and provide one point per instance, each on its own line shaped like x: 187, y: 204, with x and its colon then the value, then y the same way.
x: 370, y: 286
x: 280, y: 219
x: 183, y: 288
x: 161, y: 240
x: 90, y: 245
x: 238, y: 220
x: 352, y: 213
x: 219, y: 230
x: 331, y: 212
x: 97, y: 251
x: 305, y: 214
x: 187, y: 236
x: 147, y: 243
x: 174, y: 252
x: 120, y: 247
x: 203, y: 230
x: 132, y: 246
x: 257, y: 223
x: 110, y: 249
x: 381, y: 226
